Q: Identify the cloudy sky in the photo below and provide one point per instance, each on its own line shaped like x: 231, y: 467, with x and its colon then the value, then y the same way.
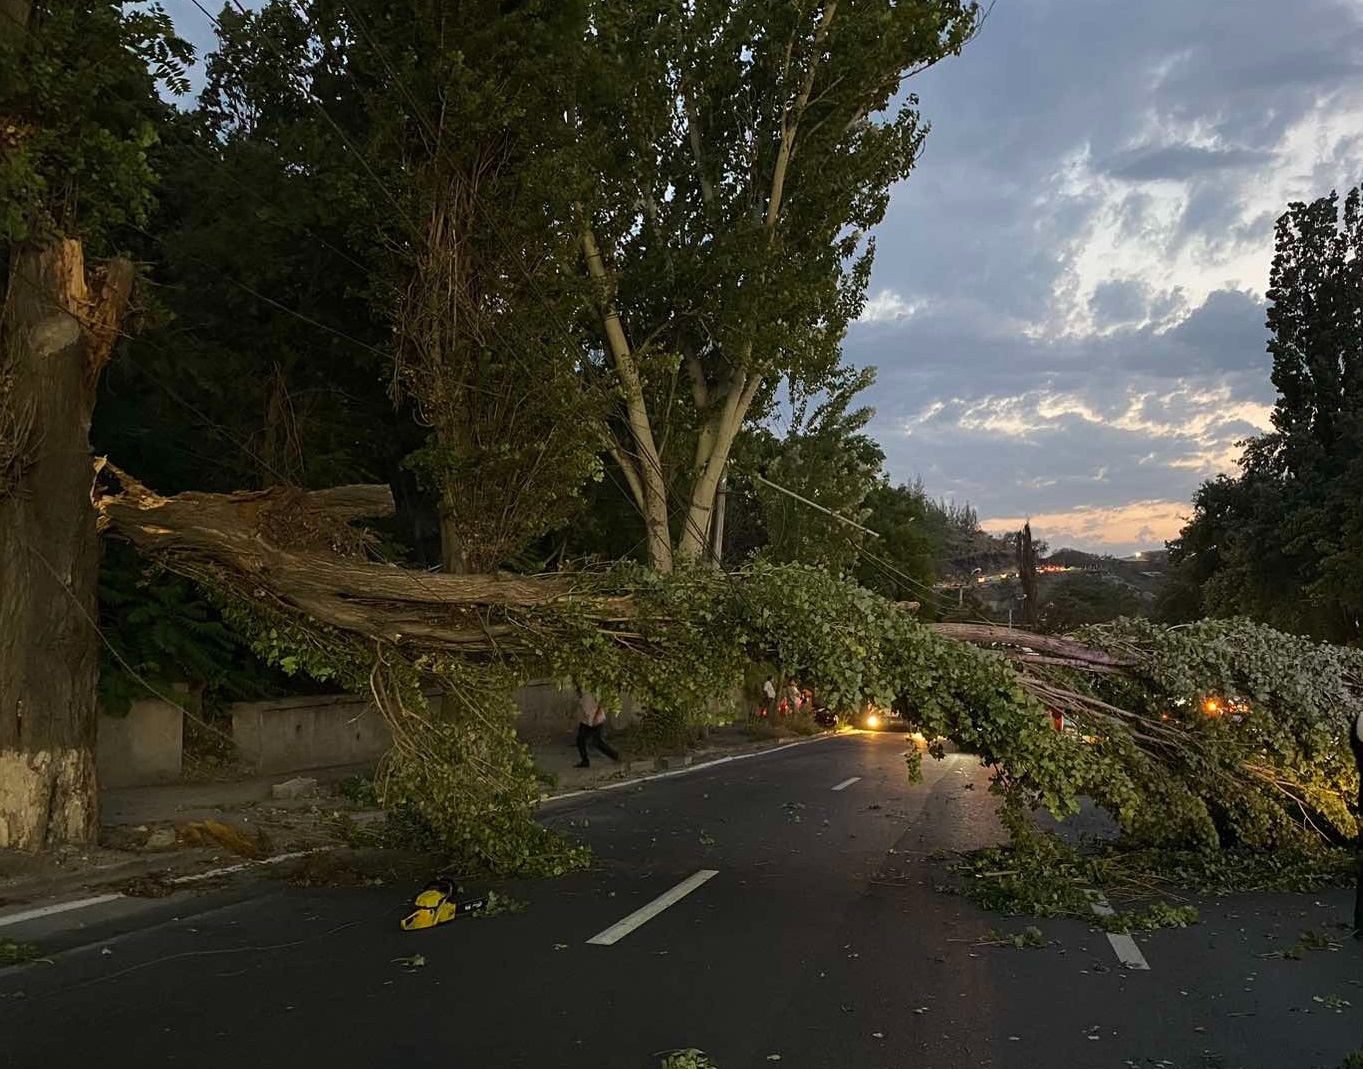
x: 1067, y: 308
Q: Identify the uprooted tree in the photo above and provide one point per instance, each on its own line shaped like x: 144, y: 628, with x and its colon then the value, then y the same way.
x: 1271, y: 768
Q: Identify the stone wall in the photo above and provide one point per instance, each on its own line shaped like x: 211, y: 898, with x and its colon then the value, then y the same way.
x: 142, y: 747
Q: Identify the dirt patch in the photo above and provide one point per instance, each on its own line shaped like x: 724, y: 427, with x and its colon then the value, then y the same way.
x: 329, y: 870
x: 148, y: 886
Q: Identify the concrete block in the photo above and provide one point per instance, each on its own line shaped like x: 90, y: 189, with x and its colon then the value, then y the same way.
x: 291, y: 789
x: 141, y: 748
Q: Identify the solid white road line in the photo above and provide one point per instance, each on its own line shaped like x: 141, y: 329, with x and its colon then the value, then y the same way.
x: 618, y: 931
x: 56, y: 907
x: 230, y: 869
x: 98, y: 900
x: 846, y: 783
x: 1128, y: 953
x: 615, y: 785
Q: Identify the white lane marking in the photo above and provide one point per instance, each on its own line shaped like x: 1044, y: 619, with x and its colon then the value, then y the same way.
x: 39, y: 912
x: 643, y: 915
x: 228, y: 870
x: 1128, y: 953
x: 56, y: 907
x: 846, y: 783
x: 615, y: 785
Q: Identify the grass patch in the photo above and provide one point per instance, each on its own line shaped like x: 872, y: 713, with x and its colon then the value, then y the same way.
x: 12, y: 953
x: 690, y: 1058
x: 359, y: 792
x: 401, y: 828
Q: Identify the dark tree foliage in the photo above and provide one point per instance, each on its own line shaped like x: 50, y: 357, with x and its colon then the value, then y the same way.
x: 1082, y: 598
x: 1283, y: 541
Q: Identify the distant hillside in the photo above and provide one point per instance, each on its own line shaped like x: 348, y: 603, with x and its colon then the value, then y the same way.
x: 1145, y: 573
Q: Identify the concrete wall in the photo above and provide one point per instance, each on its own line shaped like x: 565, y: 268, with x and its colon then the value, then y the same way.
x: 316, y: 732
x: 141, y: 748
x: 312, y: 732
x: 292, y: 734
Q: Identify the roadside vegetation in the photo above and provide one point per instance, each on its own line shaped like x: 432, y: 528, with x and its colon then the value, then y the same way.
x: 559, y: 314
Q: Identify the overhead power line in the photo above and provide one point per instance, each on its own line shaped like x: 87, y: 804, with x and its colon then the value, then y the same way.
x: 815, y: 505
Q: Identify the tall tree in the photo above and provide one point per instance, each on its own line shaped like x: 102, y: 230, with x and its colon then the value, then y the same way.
x: 827, y: 459
x: 464, y: 104
x: 907, y: 557
x: 1026, y: 562
x: 78, y: 109
x: 742, y: 152
x: 439, y: 134
x: 1283, y: 542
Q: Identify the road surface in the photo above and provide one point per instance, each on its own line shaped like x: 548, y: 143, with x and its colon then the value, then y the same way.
x: 779, y: 909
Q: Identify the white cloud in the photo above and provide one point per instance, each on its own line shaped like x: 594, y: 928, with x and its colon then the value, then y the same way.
x: 887, y: 306
x: 1156, y: 241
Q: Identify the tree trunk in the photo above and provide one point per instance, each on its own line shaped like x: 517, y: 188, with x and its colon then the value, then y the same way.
x: 55, y: 337
x: 694, y: 540
x: 453, y: 559
x: 643, y: 462
x: 717, y: 527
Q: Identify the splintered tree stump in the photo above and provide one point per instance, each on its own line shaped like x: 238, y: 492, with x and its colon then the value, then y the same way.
x: 58, y: 328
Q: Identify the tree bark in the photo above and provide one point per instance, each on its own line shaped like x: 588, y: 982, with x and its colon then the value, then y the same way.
x: 55, y: 337
x: 453, y: 559
x: 712, y: 454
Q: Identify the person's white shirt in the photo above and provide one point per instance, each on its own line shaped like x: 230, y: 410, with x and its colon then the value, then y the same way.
x: 769, y: 689
x: 590, y: 711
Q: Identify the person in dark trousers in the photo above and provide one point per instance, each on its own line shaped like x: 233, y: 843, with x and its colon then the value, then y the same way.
x: 591, y: 723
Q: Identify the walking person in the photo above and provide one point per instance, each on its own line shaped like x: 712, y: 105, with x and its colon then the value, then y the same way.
x: 769, y: 693
x: 591, y: 723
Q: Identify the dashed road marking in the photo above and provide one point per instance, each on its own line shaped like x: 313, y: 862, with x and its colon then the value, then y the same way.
x: 846, y: 783
x: 1128, y: 953
x: 644, y: 914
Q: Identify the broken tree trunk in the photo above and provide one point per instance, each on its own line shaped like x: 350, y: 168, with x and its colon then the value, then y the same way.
x: 295, y: 547
x: 56, y: 333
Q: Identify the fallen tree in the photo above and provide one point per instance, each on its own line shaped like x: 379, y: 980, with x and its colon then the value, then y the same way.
x: 1271, y: 768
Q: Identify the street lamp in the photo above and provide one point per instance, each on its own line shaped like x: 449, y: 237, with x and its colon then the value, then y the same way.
x: 960, y: 591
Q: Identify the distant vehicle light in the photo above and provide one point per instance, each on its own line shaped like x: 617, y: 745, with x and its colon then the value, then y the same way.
x: 873, y: 721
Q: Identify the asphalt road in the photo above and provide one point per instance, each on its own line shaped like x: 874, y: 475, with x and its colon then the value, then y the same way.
x: 821, y: 940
